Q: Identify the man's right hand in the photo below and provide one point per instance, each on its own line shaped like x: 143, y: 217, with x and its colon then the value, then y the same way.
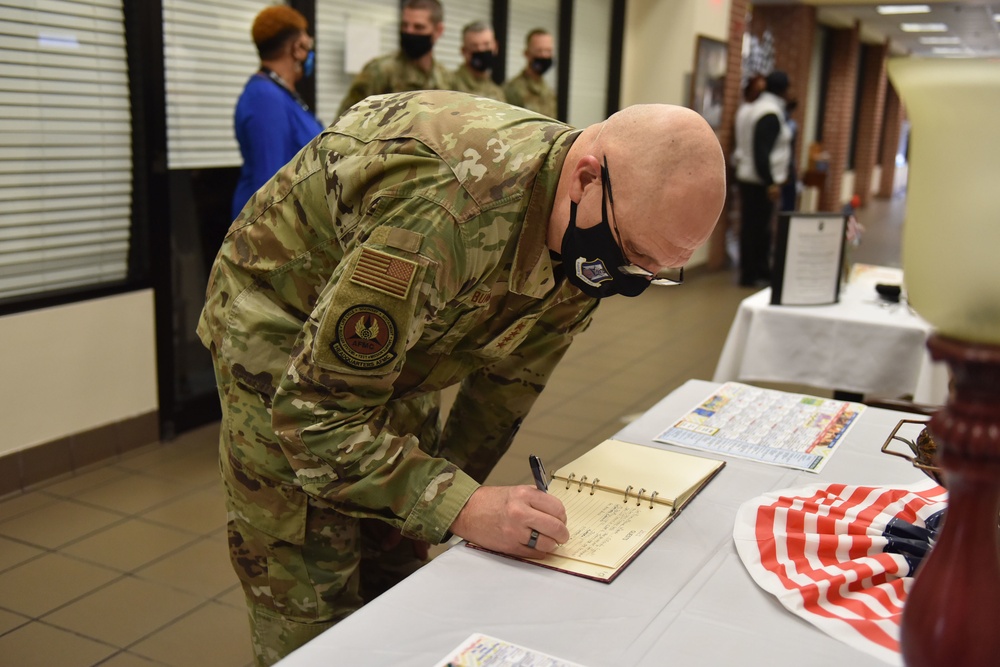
x: 501, y: 518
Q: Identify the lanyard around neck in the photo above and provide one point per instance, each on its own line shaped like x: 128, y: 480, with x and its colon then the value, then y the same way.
x: 274, y: 76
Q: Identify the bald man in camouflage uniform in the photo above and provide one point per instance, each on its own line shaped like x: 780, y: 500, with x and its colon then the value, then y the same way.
x: 404, y: 250
x: 413, y: 67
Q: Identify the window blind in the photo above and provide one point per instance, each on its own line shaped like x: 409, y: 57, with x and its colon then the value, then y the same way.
x: 208, y: 57
x: 66, y: 166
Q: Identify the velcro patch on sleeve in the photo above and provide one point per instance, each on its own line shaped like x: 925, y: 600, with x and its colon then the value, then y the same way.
x: 384, y: 273
x: 365, y: 337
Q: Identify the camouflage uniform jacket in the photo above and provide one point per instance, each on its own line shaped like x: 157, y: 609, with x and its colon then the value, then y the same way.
x: 534, y: 94
x: 394, y: 73
x: 466, y: 81
x: 401, y: 251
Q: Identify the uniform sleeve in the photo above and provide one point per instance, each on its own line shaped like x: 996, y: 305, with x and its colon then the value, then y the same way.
x: 332, y: 411
x: 492, y: 402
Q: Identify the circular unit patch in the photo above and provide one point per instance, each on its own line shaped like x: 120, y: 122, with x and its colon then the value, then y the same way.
x: 365, y: 336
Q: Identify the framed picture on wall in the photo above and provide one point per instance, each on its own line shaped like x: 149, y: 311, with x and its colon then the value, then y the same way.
x: 708, y: 79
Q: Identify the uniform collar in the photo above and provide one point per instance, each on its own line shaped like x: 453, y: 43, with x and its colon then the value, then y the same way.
x: 531, y: 273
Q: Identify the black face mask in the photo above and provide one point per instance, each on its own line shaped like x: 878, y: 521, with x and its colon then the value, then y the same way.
x: 597, y: 277
x: 541, y: 65
x: 415, y: 46
x: 481, y: 61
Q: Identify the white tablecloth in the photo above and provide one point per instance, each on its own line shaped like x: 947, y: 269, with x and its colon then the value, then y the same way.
x: 862, y: 344
x: 686, y: 600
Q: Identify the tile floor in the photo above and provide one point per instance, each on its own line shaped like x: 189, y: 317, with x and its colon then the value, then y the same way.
x: 125, y: 564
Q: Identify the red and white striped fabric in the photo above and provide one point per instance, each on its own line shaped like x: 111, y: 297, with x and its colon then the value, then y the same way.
x: 823, y: 551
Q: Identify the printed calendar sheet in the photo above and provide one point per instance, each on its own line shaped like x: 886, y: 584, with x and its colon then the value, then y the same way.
x: 777, y: 427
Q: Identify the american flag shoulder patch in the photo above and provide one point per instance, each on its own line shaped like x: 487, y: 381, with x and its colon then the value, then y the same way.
x: 384, y: 273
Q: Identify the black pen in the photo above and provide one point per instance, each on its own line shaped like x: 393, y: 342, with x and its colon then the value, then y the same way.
x: 538, y: 472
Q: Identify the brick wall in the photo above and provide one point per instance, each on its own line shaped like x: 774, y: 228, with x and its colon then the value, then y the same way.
x: 793, y: 28
x: 892, y: 126
x: 844, y: 51
x: 732, y: 96
x: 870, y: 118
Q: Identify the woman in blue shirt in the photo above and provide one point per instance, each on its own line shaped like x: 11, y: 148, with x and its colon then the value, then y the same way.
x: 272, y: 122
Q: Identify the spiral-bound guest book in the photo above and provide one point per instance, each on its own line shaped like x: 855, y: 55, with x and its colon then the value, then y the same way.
x: 618, y: 497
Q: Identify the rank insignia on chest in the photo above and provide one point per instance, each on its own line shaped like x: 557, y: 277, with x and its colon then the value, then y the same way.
x: 365, y: 336
x: 511, y: 335
x: 384, y: 273
x: 593, y: 272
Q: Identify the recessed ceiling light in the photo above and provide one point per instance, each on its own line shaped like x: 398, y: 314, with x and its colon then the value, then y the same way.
x: 940, y: 40
x: 923, y: 27
x: 903, y: 9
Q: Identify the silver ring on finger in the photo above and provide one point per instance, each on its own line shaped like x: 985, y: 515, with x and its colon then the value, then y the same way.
x: 534, y: 539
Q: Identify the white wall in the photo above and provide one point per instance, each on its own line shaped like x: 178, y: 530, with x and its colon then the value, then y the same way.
x: 658, y: 58
x: 588, y: 89
x: 659, y: 46
x: 73, y: 368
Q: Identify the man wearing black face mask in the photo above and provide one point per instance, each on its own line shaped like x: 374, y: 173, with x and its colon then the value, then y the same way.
x: 528, y: 89
x: 425, y: 240
x: 479, y: 48
x: 413, y: 67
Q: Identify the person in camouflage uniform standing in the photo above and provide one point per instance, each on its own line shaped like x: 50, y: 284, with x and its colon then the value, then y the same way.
x: 413, y: 67
x: 479, y: 48
x: 528, y: 89
x: 411, y: 246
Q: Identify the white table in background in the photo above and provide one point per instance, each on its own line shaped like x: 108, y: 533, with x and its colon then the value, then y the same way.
x: 862, y: 345
x: 686, y: 600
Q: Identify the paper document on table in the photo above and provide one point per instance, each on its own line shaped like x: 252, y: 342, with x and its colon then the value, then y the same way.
x: 777, y: 427
x: 484, y: 651
x: 808, y: 259
x: 603, y: 529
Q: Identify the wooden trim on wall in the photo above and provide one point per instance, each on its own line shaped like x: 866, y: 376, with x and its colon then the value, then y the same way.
x: 28, y: 467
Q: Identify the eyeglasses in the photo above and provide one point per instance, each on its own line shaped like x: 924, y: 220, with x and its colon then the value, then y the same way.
x: 662, y: 277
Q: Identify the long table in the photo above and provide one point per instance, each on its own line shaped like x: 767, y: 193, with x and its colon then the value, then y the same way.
x: 686, y: 600
x: 861, y: 345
